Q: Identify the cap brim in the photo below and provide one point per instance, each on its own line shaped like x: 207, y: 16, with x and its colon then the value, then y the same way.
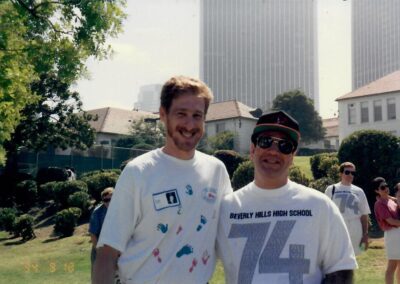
x: 293, y: 134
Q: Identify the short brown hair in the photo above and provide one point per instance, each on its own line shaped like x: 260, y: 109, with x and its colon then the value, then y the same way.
x: 180, y: 85
x: 345, y: 165
x: 107, y: 191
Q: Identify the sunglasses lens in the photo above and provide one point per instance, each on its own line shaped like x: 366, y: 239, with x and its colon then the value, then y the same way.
x: 383, y: 186
x: 346, y: 172
x: 264, y: 142
x: 286, y: 147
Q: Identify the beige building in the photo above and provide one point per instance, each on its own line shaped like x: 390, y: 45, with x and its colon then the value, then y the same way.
x: 113, y: 123
x: 373, y: 106
x: 331, y: 138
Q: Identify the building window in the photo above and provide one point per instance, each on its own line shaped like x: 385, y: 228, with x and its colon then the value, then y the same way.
x: 352, y: 113
x: 220, y: 127
x: 364, y: 112
x: 391, y: 108
x: 378, y: 110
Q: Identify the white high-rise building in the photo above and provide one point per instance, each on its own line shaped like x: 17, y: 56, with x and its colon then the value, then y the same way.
x: 149, y: 98
x: 375, y: 40
x: 254, y: 50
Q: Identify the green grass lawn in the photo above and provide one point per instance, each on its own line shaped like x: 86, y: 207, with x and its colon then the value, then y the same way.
x: 304, y: 163
x: 49, y: 260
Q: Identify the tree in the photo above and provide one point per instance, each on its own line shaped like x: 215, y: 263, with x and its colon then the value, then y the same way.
x: 374, y: 153
x: 222, y: 141
x: 43, y: 49
x: 301, y: 108
x: 146, y: 133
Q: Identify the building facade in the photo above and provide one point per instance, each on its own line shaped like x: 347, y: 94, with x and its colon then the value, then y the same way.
x: 252, y: 51
x: 375, y: 40
x: 374, y: 106
x: 149, y: 98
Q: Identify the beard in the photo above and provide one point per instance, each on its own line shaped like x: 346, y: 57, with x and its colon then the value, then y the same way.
x: 182, y: 142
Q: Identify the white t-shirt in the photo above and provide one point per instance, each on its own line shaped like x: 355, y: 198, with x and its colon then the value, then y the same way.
x: 292, y: 234
x: 350, y: 199
x: 163, y: 218
x: 352, y: 204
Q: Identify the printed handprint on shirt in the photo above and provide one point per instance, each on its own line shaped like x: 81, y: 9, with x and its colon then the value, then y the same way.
x: 203, y: 221
x: 185, y: 250
x: 205, y: 257
x: 189, y: 189
x: 163, y: 228
x: 194, y: 263
x: 156, y: 254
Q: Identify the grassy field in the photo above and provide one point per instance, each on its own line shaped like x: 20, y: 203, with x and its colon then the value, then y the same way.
x: 51, y: 260
x: 304, y: 163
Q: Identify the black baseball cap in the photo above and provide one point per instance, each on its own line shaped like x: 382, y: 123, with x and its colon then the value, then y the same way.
x: 277, y: 121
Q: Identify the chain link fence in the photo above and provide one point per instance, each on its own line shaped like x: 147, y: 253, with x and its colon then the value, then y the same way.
x: 98, y: 157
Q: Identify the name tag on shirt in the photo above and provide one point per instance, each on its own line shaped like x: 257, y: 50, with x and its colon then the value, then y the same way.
x: 165, y: 199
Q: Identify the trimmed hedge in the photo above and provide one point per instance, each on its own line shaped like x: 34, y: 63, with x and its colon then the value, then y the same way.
x: 99, y: 181
x: 26, y: 194
x: 45, y: 175
x: 231, y: 160
x: 23, y: 227
x: 66, y: 220
x: 7, y: 219
x: 243, y: 175
x: 80, y: 200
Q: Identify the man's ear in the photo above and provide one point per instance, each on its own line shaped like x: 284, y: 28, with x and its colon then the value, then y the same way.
x: 163, y: 113
x: 252, y: 149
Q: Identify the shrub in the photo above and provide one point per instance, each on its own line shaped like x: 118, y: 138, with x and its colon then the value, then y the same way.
x: 243, y: 175
x: 63, y: 190
x: 222, y: 141
x: 93, y: 173
x: 80, y: 200
x: 66, y: 221
x: 98, y: 182
x: 25, y: 194
x: 230, y: 158
x: 24, y: 227
x: 321, y: 184
x: 7, y: 219
x: 51, y: 174
x: 296, y: 175
x: 46, y: 191
x: 321, y: 164
x: 374, y: 153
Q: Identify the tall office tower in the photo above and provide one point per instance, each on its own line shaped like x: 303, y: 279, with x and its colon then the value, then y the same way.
x: 254, y: 50
x: 375, y: 40
x: 149, y: 98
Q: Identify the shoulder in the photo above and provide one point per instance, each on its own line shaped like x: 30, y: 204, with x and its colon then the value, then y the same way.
x: 209, y: 159
x: 308, y: 193
x: 356, y: 188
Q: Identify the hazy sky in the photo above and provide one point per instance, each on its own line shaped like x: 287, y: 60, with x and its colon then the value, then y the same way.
x: 161, y: 39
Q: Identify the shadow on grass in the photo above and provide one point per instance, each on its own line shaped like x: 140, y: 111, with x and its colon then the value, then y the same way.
x: 50, y: 240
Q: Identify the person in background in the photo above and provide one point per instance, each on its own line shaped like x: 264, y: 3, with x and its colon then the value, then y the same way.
x: 70, y: 173
x: 163, y: 217
x: 274, y: 230
x: 96, y: 222
x: 353, y: 206
x: 387, y: 216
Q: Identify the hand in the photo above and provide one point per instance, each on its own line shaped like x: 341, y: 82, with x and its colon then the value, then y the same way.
x: 364, y: 240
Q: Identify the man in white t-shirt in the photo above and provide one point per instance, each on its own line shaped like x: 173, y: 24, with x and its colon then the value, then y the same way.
x: 274, y: 230
x: 353, y: 205
x: 161, y: 224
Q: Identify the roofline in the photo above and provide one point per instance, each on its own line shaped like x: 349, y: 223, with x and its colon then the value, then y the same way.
x: 366, y: 95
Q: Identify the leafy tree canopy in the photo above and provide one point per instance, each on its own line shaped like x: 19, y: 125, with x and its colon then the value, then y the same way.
x: 145, y: 134
x: 222, y: 141
x: 301, y: 108
x: 43, y: 49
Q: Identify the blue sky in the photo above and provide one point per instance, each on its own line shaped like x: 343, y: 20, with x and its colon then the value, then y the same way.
x: 161, y: 39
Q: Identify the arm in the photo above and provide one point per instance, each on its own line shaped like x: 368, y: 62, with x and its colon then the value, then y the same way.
x: 105, y: 265
x: 339, y: 277
x: 364, y: 225
x: 93, y: 239
x: 393, y: 222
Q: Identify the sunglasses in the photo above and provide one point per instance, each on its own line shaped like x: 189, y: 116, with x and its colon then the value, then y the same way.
x: 383, y: 186
x: 347, y: 172
x: 285, y: 146
x: 106, y: 199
